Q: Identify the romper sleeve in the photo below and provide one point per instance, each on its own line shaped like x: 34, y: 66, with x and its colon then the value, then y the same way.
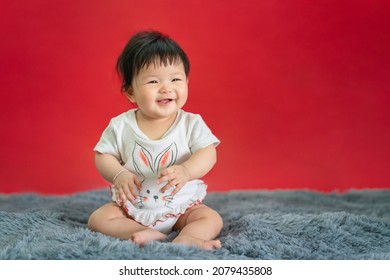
x: 108, y: 143
x: 200, y: 135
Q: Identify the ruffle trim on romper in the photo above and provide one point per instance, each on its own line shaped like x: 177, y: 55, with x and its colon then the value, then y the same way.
x: 191, y: 194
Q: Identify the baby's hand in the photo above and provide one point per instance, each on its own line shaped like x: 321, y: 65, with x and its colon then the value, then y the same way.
x: 126, y: 185
x: 176, y: 175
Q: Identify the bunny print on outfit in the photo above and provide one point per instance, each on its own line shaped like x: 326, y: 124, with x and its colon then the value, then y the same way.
x: 153, y: 208
x: 148, y: 158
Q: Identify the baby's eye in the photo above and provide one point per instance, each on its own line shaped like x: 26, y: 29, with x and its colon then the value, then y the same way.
x: 152, y: 82
x: 176, y: 80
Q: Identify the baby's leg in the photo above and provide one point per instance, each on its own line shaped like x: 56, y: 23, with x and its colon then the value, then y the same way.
x: 147, y: 235
x: 111, y: 220
x: 199, y: 226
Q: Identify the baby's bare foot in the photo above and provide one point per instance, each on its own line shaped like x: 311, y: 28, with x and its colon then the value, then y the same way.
x: 147, y: 235
x: 193, y: 241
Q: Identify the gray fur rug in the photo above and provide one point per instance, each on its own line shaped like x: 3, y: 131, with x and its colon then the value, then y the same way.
x: 257, y: 225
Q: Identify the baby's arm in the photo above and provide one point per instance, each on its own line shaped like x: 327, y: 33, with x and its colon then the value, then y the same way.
x: 198, y: 165
x: 126, y: 183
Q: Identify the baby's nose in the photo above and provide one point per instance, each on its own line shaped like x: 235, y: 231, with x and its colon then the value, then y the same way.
x: 165, y: 89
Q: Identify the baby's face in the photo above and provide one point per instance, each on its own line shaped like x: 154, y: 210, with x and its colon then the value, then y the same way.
x: 160, y: 90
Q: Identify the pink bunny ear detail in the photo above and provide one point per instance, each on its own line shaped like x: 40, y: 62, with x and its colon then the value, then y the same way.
x: 147, y: 164
x: 167, y: 157
x: 164, y: 159
x: 143, y: 157
x: 142, y: 160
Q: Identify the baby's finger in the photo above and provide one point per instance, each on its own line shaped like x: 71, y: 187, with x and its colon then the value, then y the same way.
x: 134, y: 192
x: 138, y: 184
x: 164, y: 178
x: 176, y: 189
x: 170, y: 184
x: 167, y: 171
x: 166, y: 174
x: 120, y: 196
x: 128, y: 194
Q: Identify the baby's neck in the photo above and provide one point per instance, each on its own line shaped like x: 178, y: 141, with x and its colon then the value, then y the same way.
x: 154, y: 129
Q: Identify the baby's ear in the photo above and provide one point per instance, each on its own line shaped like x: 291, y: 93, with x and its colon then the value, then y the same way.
x: 130, y: 95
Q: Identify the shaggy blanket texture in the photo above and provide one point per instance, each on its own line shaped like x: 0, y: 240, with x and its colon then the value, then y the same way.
x: 257, y: 225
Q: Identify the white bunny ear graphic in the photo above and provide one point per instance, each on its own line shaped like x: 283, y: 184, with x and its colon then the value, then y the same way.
x: 143, y: 160
x: 166, y: 158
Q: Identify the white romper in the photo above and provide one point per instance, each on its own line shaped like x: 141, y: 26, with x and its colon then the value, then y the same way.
x: 147, y: 158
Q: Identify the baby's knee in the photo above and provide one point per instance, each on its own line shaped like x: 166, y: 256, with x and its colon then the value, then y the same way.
x: 102, y: 215
x: 97, y: 218
x: 93, y: 221
x: 217, y: 219
x: 214, y: 217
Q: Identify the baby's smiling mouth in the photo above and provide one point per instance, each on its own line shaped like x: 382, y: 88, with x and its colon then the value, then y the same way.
x: 164, y: 101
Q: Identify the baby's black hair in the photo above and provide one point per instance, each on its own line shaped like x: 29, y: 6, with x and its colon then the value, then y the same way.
x: 148, y: 47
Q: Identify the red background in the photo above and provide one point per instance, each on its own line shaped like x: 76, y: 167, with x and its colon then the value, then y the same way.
x: 298, y: 91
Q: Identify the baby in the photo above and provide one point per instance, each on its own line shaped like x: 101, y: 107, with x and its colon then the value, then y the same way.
x: 155, y: 154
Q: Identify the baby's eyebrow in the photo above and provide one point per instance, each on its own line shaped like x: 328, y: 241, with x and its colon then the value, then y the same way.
x: 149, y: 77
